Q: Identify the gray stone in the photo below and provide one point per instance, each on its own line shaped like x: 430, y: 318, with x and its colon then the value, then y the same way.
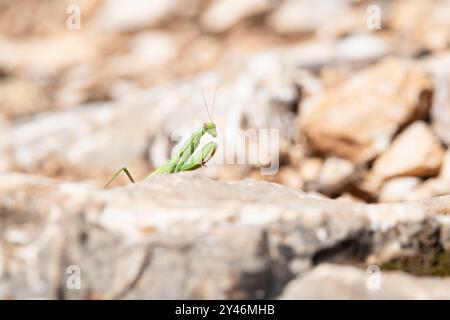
x: 118, y: 16
x: 140, y: 130
x: 330, y: 281
x: 186, y: 236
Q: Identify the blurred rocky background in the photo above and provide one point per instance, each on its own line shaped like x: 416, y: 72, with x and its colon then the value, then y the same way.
x: 359, y: 91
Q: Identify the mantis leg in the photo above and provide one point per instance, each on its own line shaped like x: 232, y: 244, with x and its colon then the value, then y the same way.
x: 174, y: 164
x: 124, y: 169
x: 187, y: 153
x: 200, y: 158
x: 184, y: 160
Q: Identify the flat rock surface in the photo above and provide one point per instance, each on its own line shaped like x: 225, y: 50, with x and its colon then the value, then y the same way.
x: 187, y: 236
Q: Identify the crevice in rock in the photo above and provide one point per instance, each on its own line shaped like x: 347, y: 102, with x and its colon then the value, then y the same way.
x: 60, y: 292
x: 258, y: 283
x: 353, y: 250
x: 252, y: 285
x: 279, y: 273
x: 146, y: 260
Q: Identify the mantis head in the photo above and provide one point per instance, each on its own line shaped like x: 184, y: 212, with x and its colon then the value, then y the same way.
x: 210, y: 128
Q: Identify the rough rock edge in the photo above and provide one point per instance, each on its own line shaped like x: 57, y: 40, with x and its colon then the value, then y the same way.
x: 186, y: 236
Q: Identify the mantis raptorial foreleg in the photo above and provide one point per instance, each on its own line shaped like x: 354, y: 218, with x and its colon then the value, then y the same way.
x: 200, y: 158
x: 184, y: 160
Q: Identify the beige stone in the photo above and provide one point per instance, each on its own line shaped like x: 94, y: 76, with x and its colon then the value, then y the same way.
x: 357, y: 120
x: 289, y: 177
x: 438, y: 66
x: 22, y: 98
x: 398, y: 189
x: 305, y: 16
x: 419, y: 25
x: 186, y: 236
x: 214, y: 18
x: 414, y: 152
x: 430, y: 188
x: 334, y: 174
x: 310, y: 169
x: 118, y: 16
x: 445, y: 169
x: 330, y: 281
x: 93, y: 142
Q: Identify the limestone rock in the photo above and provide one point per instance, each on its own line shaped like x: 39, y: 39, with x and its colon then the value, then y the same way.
x: 334, y: 175
x: 116, y: 15
x: 40, y: 19
x: 329, y: 281
x: 357, y: 120
x: 445, y: 169
x: 224, y: 14
x: 362, y: 47
x: 398, y: 189
x: 310, y: 169
x: 154, y: 47
x: 305, y: 16
x: 126, y: 87
x: 186, y: 236
x: 290, y: 177
x: 421, y: 25
x: 22, y: 98
x: 439, y: 68
x: 50, y: 54
x: 415, y: 152
x: 140, y: 129
x: 430, y: 188
x: 312, y: 55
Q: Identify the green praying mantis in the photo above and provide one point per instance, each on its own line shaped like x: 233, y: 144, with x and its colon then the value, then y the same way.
x: 185, y: 159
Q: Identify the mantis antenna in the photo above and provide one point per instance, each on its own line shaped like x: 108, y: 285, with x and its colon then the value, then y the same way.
x: 214, y: 101
x: 206, y: 106
x: 210, y: 115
